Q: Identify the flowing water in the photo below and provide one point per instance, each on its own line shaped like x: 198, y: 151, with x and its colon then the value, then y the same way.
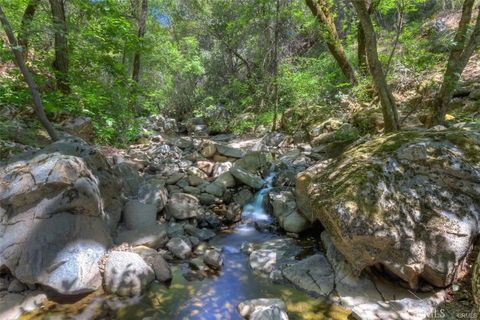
x: 216, y: 296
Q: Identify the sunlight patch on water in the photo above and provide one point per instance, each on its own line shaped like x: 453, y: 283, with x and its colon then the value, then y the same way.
x: 231, y: 249
x: 245, y: 229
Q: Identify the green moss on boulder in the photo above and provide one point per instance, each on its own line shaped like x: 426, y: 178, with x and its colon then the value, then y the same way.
x: 408, y: 201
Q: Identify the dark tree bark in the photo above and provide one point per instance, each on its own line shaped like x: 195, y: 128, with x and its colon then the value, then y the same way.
x: 27, y: 19
x: 389, y: 108
x: 61, y: 62
x: 361, y: 50
x: 459, y: 56
x: 323, y: 15
x: 37, y: 102
x: 142, y: 23
x: 275, y: 66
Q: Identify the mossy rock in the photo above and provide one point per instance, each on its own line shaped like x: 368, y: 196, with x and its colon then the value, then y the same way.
x: 408, y: 201
x: 368, y: 121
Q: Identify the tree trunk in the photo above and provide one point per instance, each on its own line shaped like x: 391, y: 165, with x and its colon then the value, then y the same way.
x: 389, y: 108
x: 275, y: 66
x: 142, y: 23
x: 322, y: 13
x: 361, y: 50
x: 60, y: 64
x: 37, y: 102
x: 457, y: 60
x: 27, y: 18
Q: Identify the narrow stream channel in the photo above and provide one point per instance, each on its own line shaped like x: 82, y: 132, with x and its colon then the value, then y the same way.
x: 216, y: 296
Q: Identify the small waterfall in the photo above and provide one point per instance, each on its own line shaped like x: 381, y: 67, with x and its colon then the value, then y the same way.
x: 255, y: 210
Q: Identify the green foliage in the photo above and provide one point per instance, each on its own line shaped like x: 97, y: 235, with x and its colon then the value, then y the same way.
x: 347, y: 134
x: 390, y: 6
x: 212, y: 59
x: 421, y: 53
x: 250, y: 122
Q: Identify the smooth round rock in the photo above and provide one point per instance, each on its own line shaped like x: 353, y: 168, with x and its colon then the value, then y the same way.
x: 127, y: 274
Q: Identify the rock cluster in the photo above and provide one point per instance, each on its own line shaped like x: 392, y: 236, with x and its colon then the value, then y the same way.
x: 73, y: 219
x: 60, y: 208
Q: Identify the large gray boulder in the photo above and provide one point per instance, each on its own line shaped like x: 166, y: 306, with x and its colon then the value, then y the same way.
x: 153, y: 192
x: 62, y: 253
x: 54, y: 217
x: 229, y: 152
x: 139, y: 215
x: 127, y: 274
x: 154, y: 236
x: 252, y: 162
x: 371, y: 297
x: 183, y: 206
x: 131, y: 180
x: 313, y: 274
x: 285, y: 210
x: 108, y: 180
x: 243, y: 197
x: 408, y: 201
x: 250, y: 179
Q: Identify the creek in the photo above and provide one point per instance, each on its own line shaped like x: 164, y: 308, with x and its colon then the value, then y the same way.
x: 218, y: 294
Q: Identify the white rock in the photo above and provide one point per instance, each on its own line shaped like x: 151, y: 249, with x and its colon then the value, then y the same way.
x: 127, y: 274
x: 263, y: 260
x: 248, y: 307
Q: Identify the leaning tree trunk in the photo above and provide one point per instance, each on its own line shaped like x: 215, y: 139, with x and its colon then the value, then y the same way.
x: 27, y: 19
x: 459, y: 56
x: 142, y: 23
x: 60, y: 64
x: 389, y: 108
x: 361, y: 49
x: 37, y: 102
x: 323, y: 15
